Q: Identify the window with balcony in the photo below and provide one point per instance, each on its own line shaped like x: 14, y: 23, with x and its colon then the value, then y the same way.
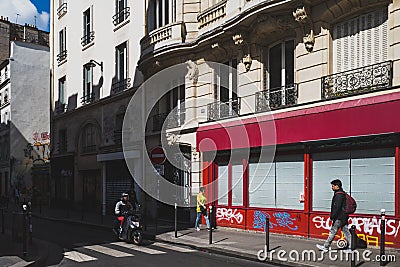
x: 122, y: 81
x: 226, y: 101
x: 88, y: 33
x: 161, y: 13
x: 88, y: 95
x: 62, y: 8
x: 60, y: 105
x: 89, y: 138
x: 360, y: 56
x: 122, y: 12
x: 62, y: 45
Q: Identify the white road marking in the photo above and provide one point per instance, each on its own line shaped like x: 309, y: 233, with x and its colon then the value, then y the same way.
x: 175, y: 248
x: 78, y: 257
x: 138, y: 248
x: 108, y: 251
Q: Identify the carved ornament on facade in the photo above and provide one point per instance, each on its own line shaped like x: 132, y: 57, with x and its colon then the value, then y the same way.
x: 278, y: 23
x: 303, y: 16
x: 238, y: 39
x: 195, y: 154
x: 193, y: 71
x: 173, y: 138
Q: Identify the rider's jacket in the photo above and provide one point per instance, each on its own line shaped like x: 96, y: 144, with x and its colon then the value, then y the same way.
x: 122, y: 207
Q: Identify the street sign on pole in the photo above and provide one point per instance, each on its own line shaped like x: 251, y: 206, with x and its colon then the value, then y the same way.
x: 157, y: 155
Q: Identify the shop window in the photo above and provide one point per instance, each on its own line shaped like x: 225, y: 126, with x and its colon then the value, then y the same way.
x: 277, y: 184
x: 230, y: 185
x: 367, y: 175
x: 222, y: 185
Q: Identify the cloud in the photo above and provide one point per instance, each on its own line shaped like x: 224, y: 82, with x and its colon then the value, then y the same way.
x: 27, y: 12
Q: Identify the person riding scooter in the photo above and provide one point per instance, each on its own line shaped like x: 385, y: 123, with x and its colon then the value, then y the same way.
x: 123, y: 208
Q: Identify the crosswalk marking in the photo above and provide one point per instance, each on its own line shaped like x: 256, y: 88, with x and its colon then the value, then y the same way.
x: 108, y: 251
x: 138, y: 248
x: 78, y: 257
x: 175, y: 248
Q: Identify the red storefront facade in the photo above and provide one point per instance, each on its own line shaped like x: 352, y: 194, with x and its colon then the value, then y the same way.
x: 355, y: 140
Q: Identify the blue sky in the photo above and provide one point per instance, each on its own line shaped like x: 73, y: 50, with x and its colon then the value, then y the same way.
x: 25, y: 11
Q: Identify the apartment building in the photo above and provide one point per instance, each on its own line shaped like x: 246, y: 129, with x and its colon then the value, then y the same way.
x: 94, y: 53
x: 315, y: 84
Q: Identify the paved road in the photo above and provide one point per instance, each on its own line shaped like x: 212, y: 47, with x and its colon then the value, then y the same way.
x: 76, y: 245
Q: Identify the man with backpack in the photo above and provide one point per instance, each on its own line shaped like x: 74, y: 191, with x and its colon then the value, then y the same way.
x: 339, y: 215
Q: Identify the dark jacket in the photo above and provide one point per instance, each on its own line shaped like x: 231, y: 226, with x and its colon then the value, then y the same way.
x: 338, y: 207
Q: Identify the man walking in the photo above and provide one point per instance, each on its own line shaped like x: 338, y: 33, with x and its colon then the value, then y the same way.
x: 339, y: 217
x: 201, y: 208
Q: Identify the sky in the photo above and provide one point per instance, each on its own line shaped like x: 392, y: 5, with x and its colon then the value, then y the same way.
x: 27, y: 10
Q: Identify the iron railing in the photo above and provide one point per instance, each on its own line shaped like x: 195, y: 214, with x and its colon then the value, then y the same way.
x: 361, y: 80
x: 276, y: 98
x: 121, y: 16
x: 220, y: 110
x: 121, y: 85
x: 87, y: 99
x: 158, y: 121
x: 176, y: 118
x: 60, y: 108
x: 61, y: 10
x: 88, y: 38
x: 62, y: 56
x: 5, y: 77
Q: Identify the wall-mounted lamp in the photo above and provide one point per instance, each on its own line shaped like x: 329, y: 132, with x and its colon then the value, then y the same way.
x: 92, y: 63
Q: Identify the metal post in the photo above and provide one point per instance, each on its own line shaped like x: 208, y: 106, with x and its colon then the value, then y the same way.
x: 30, y: 221
x: 24, y: 239
x: 210, y: 229
x: 353, y: 244
x: 267, y: 234
x: 2, y: 220
x: 176, y: 220
x: 383, y: 233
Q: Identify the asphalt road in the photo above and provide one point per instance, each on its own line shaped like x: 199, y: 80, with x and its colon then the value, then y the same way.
x: 79, y: 245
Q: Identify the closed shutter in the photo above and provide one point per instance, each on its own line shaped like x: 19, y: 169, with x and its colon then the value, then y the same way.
x: 361, y: 41
x: 262, y: 185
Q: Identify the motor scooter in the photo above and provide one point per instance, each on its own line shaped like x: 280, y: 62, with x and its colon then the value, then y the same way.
x: 132, y: 231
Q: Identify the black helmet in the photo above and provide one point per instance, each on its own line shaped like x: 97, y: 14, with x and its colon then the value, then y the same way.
x: 124, y: 195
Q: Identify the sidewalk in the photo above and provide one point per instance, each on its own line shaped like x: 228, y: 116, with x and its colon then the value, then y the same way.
x: 300, y: 251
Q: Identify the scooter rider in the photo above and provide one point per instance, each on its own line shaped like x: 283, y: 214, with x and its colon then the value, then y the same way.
x: 121, y: 209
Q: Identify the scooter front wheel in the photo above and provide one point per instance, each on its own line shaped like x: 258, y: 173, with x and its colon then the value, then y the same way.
x: 136, y: 238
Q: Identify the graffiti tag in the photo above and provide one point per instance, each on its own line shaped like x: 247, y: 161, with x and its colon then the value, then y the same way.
x: 229, y: 215
x: 284, y: 220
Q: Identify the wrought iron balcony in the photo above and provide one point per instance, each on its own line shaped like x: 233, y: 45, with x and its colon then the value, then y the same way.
x: 120, y: 85
x: 88, y: 38
x: 4, y: 77
x: 61, y: 10
x: 220, y: 110
x: 62, y: 56
x: 176, y: 118
x: 276, y: 98
x: 362, y: 80
x: 121, y: 16
x: 158, y: 121
x: 87, y: 99
x: 60, y: 108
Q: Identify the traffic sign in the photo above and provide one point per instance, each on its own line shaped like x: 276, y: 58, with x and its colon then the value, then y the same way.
x: 157, y: 155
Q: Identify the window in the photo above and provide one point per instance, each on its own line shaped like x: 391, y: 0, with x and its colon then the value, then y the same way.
x: 277, y: 184
x: 87, y: 84
x: 61, y: 90
x: 62, y: 137
x: 62, y: 48
x: 122, y: 11
x: 175, y: 99
x: 121, y: 60
x: 62, y: 8
x: 361, y: 41
x: 359, y: 172
x: 230, y: 185
x: 163, y: 13
x: 88, y: 34
x: 89, y: 138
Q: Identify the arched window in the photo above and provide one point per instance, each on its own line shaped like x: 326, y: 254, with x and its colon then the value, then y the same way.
x: 89, y: 138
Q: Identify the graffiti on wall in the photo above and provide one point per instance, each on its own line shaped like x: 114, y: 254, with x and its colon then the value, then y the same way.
x: 282, y: 219
x: 232, y: 216
x: 40, y: 150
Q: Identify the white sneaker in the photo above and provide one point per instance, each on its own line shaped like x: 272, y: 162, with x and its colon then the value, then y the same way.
x: 321, y: 247
x: 197, y: 229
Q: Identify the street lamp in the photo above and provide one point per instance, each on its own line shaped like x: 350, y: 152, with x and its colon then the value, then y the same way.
x: 92, y: 63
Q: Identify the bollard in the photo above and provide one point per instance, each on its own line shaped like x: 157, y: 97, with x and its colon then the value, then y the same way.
x: 30, y: 221
x: 176, y: 220
x: 383, y: 233
x: 2, y: 220
x: 24, y: 239
x: 210, y: 229
x: 353, y: 244
x: 267, y: 234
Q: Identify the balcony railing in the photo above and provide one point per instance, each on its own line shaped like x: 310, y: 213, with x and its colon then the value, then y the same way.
x: 87, y: 99
x: 168, y: 34
x: 362, y: 80
x: 62, y: 56
x: 121, y: 16
x: 176, y: 118
x: 220, y: 110
x: 212, y: 14
x: 276, y: 98
x: 62, y: 9
x: 60, y: 108
x: 158, y: 121
x: 88, y: 38
x: 4, y: 77
x: 120, y: 85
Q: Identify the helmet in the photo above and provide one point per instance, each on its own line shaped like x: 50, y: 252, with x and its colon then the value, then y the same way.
x: 124, y: 195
